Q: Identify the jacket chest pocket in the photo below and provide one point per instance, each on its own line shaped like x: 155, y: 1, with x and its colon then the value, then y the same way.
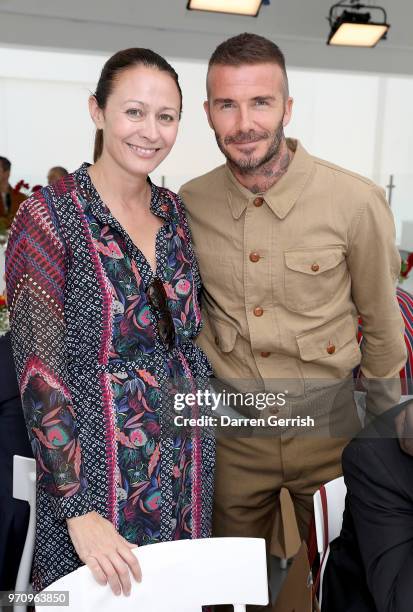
x: 313, y: 276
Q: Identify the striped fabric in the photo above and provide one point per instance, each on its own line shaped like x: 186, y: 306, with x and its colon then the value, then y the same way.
x: 406, y: 307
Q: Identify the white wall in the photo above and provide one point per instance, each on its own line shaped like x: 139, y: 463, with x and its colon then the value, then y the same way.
x: 396, y: 155
x: 363, y: 122
x: 43, y: 106
x: 332, y: 120
x: 47, y: 125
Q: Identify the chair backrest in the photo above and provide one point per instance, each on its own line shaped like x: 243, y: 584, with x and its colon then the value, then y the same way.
x: 179, y: 576
x: 335, y: 493
x: 328, y: 500
x: 24, y: 478
x: 24, y: 488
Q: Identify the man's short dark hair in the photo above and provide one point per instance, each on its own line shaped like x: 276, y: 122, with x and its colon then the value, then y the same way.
x: 5, y: 163
x: 249, y: 49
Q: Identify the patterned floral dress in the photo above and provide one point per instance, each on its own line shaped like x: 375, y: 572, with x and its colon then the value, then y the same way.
x: 96, y: 380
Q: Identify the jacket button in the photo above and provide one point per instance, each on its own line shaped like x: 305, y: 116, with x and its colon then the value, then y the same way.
x: 258, y: 311
x: 258, y: 201
x: 254, y: 257
x: 315, y: 267
x: 331, y: 349
x: 265, y: 354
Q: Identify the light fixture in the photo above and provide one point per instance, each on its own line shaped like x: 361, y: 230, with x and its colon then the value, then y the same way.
x: 354, y: 28
x: 237, y: 7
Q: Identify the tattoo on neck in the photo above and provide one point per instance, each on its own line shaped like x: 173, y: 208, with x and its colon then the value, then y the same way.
x: 260, y: 179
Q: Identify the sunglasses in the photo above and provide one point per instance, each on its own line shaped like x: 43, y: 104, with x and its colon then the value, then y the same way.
x: 158, y: 300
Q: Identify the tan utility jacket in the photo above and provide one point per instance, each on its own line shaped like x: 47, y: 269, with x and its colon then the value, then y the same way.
x: 287, y: 274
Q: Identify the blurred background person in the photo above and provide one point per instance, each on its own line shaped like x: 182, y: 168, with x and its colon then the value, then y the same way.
x: 10, y: 198
x: 56, y: 173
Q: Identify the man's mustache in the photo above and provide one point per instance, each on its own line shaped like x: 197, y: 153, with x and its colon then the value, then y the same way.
x: 245, y: 137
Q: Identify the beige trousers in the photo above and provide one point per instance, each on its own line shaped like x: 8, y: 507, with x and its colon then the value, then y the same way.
x: 251, y: 471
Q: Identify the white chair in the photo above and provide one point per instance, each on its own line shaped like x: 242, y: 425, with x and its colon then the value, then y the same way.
x: 24, y: 488
x: 331, y: 509
x: 179, y: 576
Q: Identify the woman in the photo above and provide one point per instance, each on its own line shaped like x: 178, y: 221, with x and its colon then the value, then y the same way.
x: 103, y: 284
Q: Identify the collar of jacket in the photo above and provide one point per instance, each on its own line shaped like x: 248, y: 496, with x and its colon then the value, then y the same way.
x: 282, y: 196
x: 160, y: 205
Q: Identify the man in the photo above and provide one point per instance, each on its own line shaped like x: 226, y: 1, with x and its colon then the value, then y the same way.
x: 370, y: 566
x: 291, y: 249
x: 10, y: 199
x: 56, y: 173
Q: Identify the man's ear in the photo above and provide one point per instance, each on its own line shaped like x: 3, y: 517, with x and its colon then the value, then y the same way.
x: 206, y: 109
x: 288, y: 111
x: 96, y: 113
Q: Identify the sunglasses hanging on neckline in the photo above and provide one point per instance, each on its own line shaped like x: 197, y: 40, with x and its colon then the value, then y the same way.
x: 158, y: 300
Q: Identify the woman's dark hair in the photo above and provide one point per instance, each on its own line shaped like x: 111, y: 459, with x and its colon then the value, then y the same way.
x: 122, y: 60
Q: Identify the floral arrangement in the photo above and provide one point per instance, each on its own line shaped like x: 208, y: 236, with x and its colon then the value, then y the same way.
x: 407, y: 265
x: 4, y: 316
x: 22, y: 187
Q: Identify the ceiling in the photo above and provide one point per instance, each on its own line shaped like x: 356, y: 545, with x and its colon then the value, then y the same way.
x: 298, y: 26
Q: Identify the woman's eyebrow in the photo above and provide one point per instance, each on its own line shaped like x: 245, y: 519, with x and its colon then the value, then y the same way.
x: 136, y: 101
x: 172, y: 108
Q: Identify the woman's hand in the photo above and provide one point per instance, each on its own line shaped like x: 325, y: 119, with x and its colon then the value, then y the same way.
x: 107, y: 554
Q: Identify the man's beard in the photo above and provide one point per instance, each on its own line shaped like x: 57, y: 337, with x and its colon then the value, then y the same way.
x: 250, y: 165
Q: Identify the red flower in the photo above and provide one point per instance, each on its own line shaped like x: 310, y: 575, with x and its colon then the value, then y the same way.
x: 3, y: 302
x: 20, y: 185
